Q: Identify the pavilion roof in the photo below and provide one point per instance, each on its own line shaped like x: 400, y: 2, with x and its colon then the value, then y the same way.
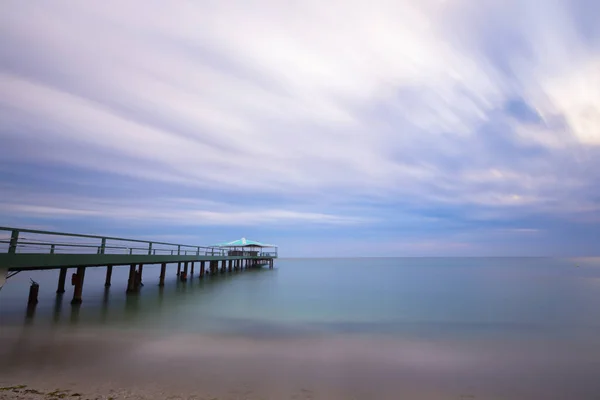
x: 243, y: 242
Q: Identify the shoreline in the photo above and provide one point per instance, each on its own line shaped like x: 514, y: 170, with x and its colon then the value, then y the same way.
x: 134, y: 364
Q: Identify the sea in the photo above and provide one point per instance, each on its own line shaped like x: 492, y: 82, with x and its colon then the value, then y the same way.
x: 328, y: 328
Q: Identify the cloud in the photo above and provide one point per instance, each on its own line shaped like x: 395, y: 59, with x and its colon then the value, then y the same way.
x: 327, y: 113
x: 167, y: 211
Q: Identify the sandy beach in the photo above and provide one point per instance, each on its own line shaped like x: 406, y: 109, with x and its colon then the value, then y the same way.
x: 104, y: 364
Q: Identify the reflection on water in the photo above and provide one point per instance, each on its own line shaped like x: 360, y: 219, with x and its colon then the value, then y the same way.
x: 58, y: 302
x: 504, y: 328
x: 30, y: 313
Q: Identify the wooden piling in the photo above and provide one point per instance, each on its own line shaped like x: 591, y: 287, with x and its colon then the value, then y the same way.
x: 138, y: 276
x: 62, y: 277
x: 78, y: 291
x: 131, y: 280
x: 163, y: 270
x: 178, y: 269
x: 107, y: 282
x: 185, y: 272
x: 33, y: 294
x: 192, y: 270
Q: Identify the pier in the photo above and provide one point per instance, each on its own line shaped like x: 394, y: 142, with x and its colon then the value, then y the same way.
x: 31, y: 250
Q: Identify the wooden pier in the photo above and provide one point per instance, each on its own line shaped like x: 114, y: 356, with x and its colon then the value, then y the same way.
x: 30, y: 250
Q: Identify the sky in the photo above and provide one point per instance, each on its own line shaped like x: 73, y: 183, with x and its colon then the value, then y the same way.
x: 337, y: 128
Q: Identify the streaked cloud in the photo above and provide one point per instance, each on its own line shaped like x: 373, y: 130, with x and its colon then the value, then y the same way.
x: 377, y: 113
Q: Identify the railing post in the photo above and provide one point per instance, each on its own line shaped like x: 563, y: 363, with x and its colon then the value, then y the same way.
x: 198, y: 251
x: 103, y: 246
x: 14, y: 238
x: 150, y: 249
x: 52, y: 247
x: 178, y: 250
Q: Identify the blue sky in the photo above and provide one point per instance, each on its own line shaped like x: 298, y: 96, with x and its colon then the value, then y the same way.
x: 438, y: 127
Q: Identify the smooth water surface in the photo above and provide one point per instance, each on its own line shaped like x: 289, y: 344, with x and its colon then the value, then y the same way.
x: 445, y: 327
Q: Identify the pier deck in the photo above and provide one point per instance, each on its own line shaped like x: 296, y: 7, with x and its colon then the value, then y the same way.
x: 30, y: 250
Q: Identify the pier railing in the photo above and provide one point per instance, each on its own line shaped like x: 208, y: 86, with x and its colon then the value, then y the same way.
x: 37, y: 249
x: 45, y: 242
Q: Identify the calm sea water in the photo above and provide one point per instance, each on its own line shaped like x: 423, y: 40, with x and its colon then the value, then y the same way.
x: 531, y: 326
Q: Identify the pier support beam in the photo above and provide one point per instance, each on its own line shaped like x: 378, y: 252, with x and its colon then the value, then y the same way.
x: 163, y: 270
x: 201, y: 269
x: 229, y: 265
x: 183, y: 276
x: 131, y: 287
x: 178, y: 269
x: 138, y: 281
x: 223, y: 266
x: 78, y: 291
x: 192, y: 271
x: 33, y: 294
x: 62, y: 277
x: 108, y: 276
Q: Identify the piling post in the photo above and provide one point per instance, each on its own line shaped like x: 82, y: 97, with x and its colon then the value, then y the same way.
x: 185, y: 272
x: 62, y: 277
x: 163, y: 270
x: 33, y: 294
x: 178, y: 269
x: 139, y: 276
x: 229, y: 265
x: 109, y: 269
x: 201, y: 269
x: 78, y: 291
x: 131, y: 280
x: 192, y: 271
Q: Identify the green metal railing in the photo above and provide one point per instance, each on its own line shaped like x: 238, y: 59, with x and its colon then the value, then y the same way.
x: 19, y: 241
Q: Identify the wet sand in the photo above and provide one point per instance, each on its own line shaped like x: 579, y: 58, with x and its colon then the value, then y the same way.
x: 134, y: 364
